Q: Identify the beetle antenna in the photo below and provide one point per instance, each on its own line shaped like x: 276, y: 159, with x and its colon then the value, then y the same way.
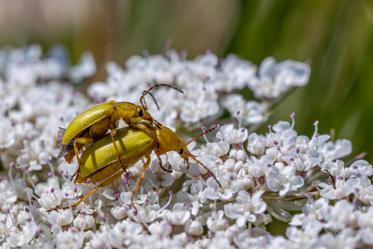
x: 143, y: 101
x: 208, y: 170
x: 156, y: 123
x: 148, y: 91
x: 151, y: 95
x: 216, y: 126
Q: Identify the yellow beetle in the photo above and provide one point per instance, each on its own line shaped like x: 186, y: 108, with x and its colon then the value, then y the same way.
x: 95, y: 122
x: 100, y: 166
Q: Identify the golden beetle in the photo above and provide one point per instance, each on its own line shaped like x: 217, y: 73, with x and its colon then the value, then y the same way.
x: 95, y: 122
x: 100, y: 166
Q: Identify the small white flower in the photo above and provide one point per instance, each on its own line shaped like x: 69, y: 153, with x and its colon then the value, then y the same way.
x: 66, y: 169
x: 256, y: 144
x: 84, y: 69
x: 23, y: 237
x: 160, y: 229
x: 340, y: 216
x: 339, y: 149
x: 246, y: 208
x: 99, y: 240
x: 217, y: 149
x: 50, y: 199
x: 366, y: 235
x: 217, y: 222
x: 60, y: 217
x: 158, y: 177
x: 244, y: 240
x: 283, y: 179
x: 33, y: 155
x: 230, y: 135
x: 247, y: 112
x: 238, y: 72
x: 123, y: 232
x: 70, y: 239
x: 274, y: 79
x: 119, y: 212
x: 84, y: 222
x: 214, y: 192
x: 238, y: 154
x: 179, y: 215
x: 7, y: 136
x: 194, y: 228
x: 358, y: 168
x: 8, y: 195
x: 146, y: 213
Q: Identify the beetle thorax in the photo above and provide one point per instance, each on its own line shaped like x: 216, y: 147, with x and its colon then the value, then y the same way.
x: 126, y: 109
x: 169, y: 140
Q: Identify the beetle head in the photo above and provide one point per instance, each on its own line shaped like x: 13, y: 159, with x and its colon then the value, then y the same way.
x: 143, y: 113
x: 170, y: 141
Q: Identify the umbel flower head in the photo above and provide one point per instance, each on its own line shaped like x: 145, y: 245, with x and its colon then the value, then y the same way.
x: 263, y: 177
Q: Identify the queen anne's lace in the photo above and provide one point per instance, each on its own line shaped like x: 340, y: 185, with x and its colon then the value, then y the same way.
x: 263, y: 176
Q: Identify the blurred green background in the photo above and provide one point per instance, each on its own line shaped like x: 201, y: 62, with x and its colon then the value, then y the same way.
x: 334, y: 36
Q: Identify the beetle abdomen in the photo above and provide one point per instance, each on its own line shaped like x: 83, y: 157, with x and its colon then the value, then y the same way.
x: 132, y: 144
x: 102, y: 177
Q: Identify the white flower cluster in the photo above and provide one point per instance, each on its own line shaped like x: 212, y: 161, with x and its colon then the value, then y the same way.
x: 278, y: 175
x: 210, y: 86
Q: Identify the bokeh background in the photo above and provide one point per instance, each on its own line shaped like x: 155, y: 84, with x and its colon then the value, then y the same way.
x: 335, y: 37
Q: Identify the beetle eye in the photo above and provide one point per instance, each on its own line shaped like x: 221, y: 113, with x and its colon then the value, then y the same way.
x: 181, y: 151
x: 141, y: 113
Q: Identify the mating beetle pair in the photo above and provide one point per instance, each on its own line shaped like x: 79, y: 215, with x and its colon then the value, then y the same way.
x: 94, y: 123
x: 108, y: 156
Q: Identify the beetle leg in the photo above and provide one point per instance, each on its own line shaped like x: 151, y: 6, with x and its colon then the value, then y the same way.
x: 147, y: 130
x: 139, y: 179
x: 86, y: 196
x: 100, y: 129
x: 69, y: 155
x: 160, y: 163
x: 112, y: 134
x: 111, y: 177
x: 74, y: 176
x: 81, y: 141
